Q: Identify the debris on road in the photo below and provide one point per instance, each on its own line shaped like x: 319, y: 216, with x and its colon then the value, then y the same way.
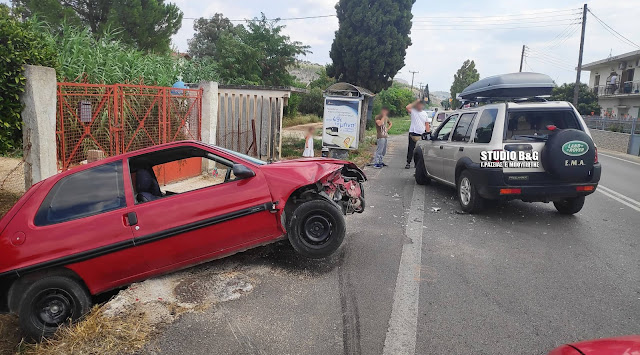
x: 435, y: 209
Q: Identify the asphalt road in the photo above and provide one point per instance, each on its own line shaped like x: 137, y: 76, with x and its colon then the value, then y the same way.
x: 517, y: 279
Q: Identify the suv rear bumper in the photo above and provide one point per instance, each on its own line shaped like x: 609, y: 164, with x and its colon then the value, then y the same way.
x: 489, y: 182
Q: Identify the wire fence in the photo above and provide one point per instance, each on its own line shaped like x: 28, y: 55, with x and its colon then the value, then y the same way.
x: 12, y: 183
x: 95, y: 121
x: 613, y: 125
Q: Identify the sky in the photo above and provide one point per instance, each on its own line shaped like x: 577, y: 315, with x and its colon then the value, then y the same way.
x: 446, y: 33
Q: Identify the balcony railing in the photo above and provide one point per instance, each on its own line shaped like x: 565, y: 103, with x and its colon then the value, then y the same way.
x: 623, y: 88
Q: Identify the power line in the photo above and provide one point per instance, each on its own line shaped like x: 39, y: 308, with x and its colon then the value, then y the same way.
x: 616, y: 34
x: 501, y: 23
x: 548, y: 55
x: 480, y: 28
x: 272, y: 19
x: 504, y: 15
x: 511, y: 18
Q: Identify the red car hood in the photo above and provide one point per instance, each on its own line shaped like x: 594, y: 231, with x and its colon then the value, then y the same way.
x: 286, y: 176
x: 624, y: 345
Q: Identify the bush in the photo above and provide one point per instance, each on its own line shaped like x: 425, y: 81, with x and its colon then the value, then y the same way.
x: 83, y: 58
x: 291, y: 110
x: 21, y: 43
x: 312, y: 103
x: 396, y: 98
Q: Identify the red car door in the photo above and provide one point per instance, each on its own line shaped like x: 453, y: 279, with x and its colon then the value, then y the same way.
x: 81, y: 224
x: 189, y: 227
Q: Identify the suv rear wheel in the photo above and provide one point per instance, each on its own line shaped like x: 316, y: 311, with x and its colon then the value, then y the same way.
x: 468, y: 196
x: 570, y: 205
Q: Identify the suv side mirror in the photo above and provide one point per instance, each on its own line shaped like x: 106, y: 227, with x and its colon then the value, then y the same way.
x: 242, y: 172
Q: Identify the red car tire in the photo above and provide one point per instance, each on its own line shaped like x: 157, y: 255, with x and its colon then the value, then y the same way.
x: 50, y: 302
x: 316, y: 229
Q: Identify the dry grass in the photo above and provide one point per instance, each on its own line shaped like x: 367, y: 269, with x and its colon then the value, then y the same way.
x: 300, y: 119
x: 7, y: 200
x: 9, y: 334
x: 96, y: 334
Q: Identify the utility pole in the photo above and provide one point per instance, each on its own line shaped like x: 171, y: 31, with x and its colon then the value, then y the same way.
x: 576, y: 89
x: 427, y: 90
x: 421, y: 92
x: 522, y: 57
x: 413, y: 73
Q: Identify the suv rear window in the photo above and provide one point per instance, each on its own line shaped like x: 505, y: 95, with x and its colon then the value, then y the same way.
x: 532, y: 124
x: 85, y: 193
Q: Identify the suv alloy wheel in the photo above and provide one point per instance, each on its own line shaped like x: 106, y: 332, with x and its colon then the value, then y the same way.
x: 468, y: 196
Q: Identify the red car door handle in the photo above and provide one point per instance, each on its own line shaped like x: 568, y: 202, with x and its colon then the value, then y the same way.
x: 132, y: 218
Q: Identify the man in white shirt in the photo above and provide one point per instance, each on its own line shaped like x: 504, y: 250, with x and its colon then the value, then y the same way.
x: 420, y: 123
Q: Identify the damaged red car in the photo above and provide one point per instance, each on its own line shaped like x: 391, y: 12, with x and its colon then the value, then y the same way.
x: 133, y: 216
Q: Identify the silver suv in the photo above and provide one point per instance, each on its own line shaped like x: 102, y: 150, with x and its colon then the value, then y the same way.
x: 531, y: 151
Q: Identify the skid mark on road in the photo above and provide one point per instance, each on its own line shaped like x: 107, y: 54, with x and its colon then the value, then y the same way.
x: 401, y: 333
x: 350, y: 315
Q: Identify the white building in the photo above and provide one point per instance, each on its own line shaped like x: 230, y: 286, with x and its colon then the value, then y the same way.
x: 614, y: 81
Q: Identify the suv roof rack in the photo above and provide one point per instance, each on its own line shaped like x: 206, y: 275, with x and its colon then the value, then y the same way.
x: 509, y: 87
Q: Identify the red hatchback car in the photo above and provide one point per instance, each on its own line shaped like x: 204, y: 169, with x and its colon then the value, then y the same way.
x: 107, y: 224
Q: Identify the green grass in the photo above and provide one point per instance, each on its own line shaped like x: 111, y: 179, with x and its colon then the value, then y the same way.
x: 293, y: 147
x: 300, y: 119
x: 400, y: 126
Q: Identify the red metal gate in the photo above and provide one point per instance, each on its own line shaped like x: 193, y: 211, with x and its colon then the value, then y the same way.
x: 104, y: 120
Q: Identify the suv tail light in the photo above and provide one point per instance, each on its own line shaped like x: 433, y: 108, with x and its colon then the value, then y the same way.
x: 585, y: 188
x: 596, y: 158
x: 510, y: 191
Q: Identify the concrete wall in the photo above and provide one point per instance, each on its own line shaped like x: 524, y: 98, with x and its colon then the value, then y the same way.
x: 615, y: 141
x: 39, y: 124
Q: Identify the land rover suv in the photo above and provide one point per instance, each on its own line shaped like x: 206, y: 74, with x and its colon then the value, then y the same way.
x: 532, y: 150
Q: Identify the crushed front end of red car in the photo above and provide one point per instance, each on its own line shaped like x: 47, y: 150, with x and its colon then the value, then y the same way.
x: 345, y: 191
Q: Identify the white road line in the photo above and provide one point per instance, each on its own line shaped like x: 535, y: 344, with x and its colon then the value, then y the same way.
x: 625, y: 200
x: 403, y: 324
x: 625, y: 160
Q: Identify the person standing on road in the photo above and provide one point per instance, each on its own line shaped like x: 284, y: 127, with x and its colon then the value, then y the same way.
x: 420, y: 123
x: 383, y: 124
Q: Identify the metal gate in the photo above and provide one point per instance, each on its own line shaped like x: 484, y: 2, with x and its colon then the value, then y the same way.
x: 95, y: 121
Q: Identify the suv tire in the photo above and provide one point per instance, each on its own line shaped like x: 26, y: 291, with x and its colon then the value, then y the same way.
x: 316, y: 229
x: 49, y: 303
x: 421, y: 172
x: 468, y: 196
x: 570, y: 205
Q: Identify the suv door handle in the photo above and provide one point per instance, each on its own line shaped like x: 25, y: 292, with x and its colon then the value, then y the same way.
x: 132, y: 218
x: 441, y: 147
x: 461, y: 149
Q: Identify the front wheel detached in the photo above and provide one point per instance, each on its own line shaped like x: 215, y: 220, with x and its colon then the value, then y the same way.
x: 316, y: 229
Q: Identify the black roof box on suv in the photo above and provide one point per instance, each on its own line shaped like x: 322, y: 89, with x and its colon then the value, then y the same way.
x: 509, y: 86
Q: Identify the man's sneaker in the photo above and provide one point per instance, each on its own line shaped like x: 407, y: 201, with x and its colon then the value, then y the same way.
x: 408, y: 166
x: 377, y: 166
x: 383, y: 164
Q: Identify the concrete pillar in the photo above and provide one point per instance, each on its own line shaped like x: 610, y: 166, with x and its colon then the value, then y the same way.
x: 209, y: 112
x: 39, y: 124
x: 209, y: 127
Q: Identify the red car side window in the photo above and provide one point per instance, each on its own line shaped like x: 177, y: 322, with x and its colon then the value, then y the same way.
x: 85, y: 193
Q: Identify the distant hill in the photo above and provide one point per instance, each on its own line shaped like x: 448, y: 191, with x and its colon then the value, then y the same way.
x: 442, y: 95
x: 306, y: 72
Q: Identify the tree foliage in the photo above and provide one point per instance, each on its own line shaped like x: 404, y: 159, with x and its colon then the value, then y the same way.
x: 587, y: 99
x: 312, y: 103
x: 207, y: 34
x: 21, y: 43
x: 323, y: 81
x: 465, y: 76
x: 370, y: 45
x: 396, y: 98
x: 146, y: 24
